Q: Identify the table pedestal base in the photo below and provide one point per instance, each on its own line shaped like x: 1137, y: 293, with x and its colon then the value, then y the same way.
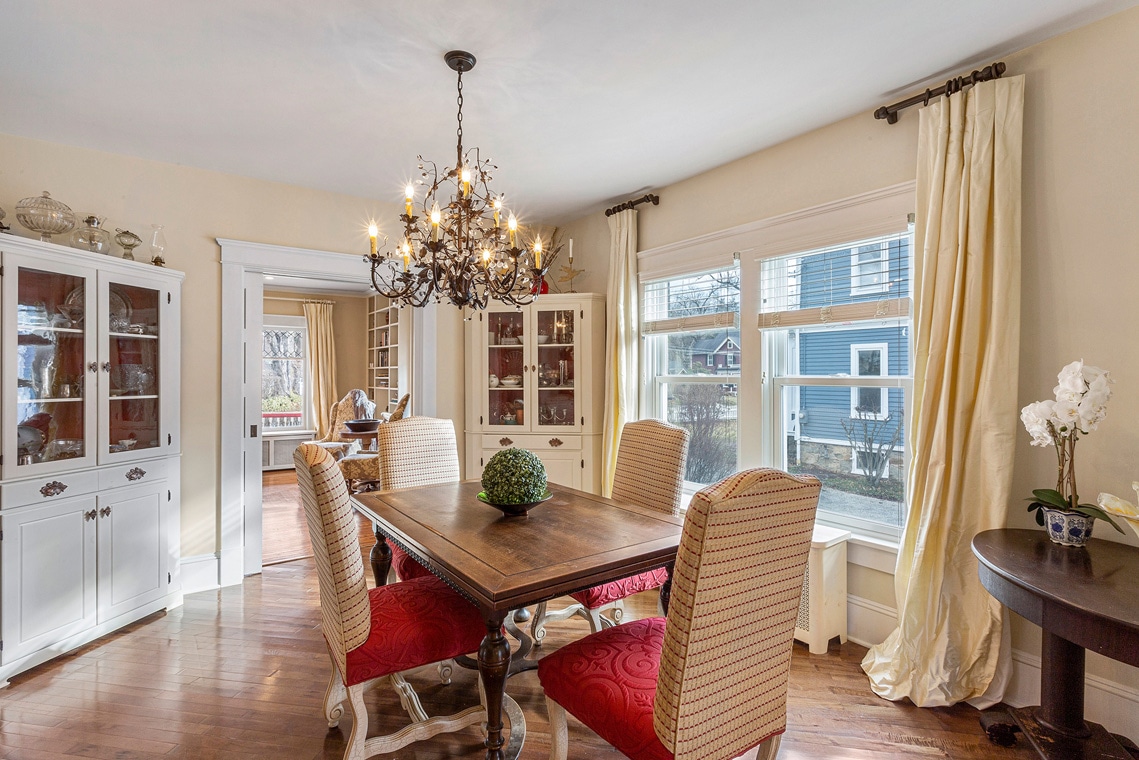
x: 1050, y: 745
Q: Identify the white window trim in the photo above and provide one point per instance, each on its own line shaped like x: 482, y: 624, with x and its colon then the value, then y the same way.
x: 859, y: 217
x: 881, y: 264
x: 291, y: 322
x: 884, y: 364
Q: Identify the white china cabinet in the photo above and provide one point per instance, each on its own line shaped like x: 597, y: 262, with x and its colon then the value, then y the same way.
x: 89, y: 447
x: 536, y: 381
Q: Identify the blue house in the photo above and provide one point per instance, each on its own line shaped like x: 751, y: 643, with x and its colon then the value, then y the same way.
x: 819, y: 417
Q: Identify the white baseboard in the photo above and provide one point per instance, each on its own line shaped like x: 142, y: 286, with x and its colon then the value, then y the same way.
x: 867, y: 622
x: 199, y: 573
x: 1111, y: 703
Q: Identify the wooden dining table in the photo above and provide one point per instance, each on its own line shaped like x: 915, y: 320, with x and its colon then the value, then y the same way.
x: 571, y: 542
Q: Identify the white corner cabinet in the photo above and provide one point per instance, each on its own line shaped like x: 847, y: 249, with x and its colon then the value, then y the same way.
x: 535, y: 380
x: 89, y: 447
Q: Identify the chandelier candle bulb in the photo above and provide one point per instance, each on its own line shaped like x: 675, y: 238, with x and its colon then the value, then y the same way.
x: 435, y: 218
x: 466, y: 177
x: 512, y: 225
x: 497, y: 208
x: 409, y: 196
x: 571, y: 252
x: 373, y: 231
x: 538, y: 253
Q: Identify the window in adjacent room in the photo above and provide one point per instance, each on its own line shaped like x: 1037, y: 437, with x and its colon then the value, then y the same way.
x: 836, y: 346
x: 285, y: 390
x: 691, y: 340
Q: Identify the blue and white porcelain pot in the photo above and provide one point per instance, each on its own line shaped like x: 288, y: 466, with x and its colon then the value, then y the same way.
x: 1068, y: 528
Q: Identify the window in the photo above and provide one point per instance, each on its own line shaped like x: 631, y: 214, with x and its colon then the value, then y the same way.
x: 285, y: 393
x: 835, y: 328
x: 868, y: 360
x: 870, y: 269
x: 690, y: 323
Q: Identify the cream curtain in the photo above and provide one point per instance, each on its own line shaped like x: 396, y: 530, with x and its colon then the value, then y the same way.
x: 621, y: 335
x: 948, y: 645
x: 322, y: 363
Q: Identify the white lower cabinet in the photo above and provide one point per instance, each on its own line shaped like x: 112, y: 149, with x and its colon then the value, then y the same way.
x: 47, y: 558
x: 568, y: 458
x: 79, y: 566
x: 132, y: 551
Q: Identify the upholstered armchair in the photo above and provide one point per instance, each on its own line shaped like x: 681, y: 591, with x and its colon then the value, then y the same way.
x: 354, y: 406
x: 373, y: 636
x: 709, y: 682
x: 415, y: 451
x: 651, y: 459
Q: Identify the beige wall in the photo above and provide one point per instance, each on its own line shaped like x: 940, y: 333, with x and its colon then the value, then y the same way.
x: 196, y: 206
x: 1080, y: 241
x: 349, y: 329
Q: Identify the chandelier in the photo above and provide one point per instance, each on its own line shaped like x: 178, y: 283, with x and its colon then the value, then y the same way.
x: 464, y: 247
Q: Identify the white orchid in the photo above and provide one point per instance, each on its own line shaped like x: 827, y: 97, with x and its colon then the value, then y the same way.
x: 1122, y: 507
x: 1082, y: 394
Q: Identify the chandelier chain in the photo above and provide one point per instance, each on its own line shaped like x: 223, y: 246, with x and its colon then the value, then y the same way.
x: 459, y: 129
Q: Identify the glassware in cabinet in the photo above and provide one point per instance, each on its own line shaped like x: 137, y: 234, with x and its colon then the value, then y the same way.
x: 46, y: 411
x: 555, y: 369
x: 132, y: 367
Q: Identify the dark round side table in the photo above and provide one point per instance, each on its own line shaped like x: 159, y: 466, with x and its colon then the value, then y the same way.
x: 1082, y: 598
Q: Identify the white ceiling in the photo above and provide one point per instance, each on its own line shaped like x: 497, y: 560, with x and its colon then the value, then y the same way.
x: 579, y: 103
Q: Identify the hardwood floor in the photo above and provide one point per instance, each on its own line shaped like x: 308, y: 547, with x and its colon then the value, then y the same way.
x: 240, y: 673
x: 284, y: 535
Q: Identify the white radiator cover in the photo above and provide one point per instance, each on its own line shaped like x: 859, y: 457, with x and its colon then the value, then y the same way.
x: 822, y: 607
x: 277, y: 450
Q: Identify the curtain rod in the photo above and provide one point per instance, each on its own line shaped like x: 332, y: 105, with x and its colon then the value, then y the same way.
x: 890, y: 113
x: 299, y: 300
x: 647, y: 198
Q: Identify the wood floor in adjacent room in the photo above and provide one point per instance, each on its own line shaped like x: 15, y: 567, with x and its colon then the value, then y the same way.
x: 240, y: 673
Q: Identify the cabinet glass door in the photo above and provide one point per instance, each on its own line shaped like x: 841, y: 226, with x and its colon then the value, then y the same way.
x: 46, y: 386
x: 131, y: 366
x: 557, y: 400
x: 506, y: 367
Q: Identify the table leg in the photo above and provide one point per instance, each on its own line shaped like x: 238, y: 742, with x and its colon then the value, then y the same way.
x: 1062, y: 686
x: 494, y: 662
x: 381, y: 558
x: 666, y: 588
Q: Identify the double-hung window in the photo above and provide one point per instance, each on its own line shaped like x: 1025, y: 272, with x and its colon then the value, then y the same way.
x: 285, y: 386
x: 835, y: 340
x: 691, y: 340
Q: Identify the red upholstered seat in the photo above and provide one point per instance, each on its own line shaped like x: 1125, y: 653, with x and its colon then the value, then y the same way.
x: 599, y: 596
x: 609, y: 682
x: 406, y: 567
x: 416, y: 622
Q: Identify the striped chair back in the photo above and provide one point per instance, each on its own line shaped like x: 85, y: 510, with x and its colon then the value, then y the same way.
x: 651, y: 460
x: 726, y: 656
x: 344, y: 607
x: 417, y: 451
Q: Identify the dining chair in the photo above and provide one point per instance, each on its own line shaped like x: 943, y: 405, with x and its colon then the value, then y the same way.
x: 649, y: 472
x: 415, y: 451
x: 709, y: 682
x: 362, y: 469
x: 375, y: 635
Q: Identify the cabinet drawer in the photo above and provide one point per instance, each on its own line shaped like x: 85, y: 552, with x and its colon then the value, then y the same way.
x: 132, y: 474
x: 48, y: 488
x: 534, y: 442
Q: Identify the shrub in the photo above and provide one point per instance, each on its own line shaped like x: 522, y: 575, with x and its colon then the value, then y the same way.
x: 514, y: 476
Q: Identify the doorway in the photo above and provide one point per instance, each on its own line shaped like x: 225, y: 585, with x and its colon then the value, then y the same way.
x: 245, y: 267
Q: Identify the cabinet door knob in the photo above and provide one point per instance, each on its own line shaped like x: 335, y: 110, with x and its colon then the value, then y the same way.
x: 136, y: 473
x: 93, y: 367
x: 89, y: 515
x: 53, y: 488
x: 106, y: 366
x: 105, y: 512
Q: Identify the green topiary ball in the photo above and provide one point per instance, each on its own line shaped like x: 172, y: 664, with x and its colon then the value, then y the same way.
x: 514, y: 476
